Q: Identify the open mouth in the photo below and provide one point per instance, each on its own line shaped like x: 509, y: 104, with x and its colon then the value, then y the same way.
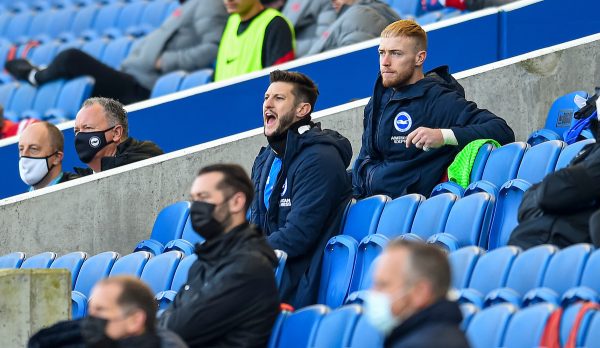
x: 270, y: 118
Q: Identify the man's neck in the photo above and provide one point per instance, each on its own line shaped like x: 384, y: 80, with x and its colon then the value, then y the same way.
x: 235, y: 222
x: 253, y: 11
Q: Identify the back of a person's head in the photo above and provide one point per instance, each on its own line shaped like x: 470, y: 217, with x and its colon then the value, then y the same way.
x: 305, y: 90
x: 114, y: 111
x: 425, y: 262
x: 407, y: 28
x: 235, y: 179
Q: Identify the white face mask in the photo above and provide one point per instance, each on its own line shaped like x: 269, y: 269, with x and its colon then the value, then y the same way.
x: 33, y: 169
x: 378, y: 310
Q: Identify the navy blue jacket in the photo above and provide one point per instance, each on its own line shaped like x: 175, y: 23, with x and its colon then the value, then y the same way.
x: 306, y: 206
x: 384, y: 164
x: 434, y: 326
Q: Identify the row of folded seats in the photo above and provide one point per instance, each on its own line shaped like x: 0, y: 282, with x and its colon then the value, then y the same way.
x: 42, y: 5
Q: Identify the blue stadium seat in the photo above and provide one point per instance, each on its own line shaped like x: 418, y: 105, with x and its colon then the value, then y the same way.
x: 300, y: 327
x: 72, y: 262
x: 365, y: 335
x: 363, y: 217
x: 429, y: 17
x: 106, y: 18
x: 368, y: 249
x: 336, y: 272
x: 165, y: 298
x: 116, y: 51
x: 66, y: 45
x: 7, y: 91
x: 95, y: 48
x: 42, y: 260
x: 187, y: 243
x: 276, y: 331
x: 45, y: 99
x: 431, y: 216
x: 398, y: 215
x: 282, y: 257
x: 562, y: 110
x: 527, y: 273
x: 131, y: 264
x: 18, y: 26
x: 407, y: 8
x: 468, y: 223
x: 462, y: 263
x: 82, y: 21
x: 527, y: 326
x: 505, y: 214
x: 44, y: 53
x: 196, y: 78
x: 61, y: 22
x: 542, y: 135
x: 22, y: 100
x: 151, y: 17
x: 592, y: 336
x: 468, y: 311
x: 72, y: 95
x: 448, y: 187
x: 503, y: 163
x: 564, y: 272
x: 130, y: 15
x: 40, y: 24
x: 168, y: 83
x: 589, y: 286
x: 174, y: 5
x: 5, y: 18
x: 490, y: 272
x: 94, y: 269
x: 569, y: 316
x: 168, y: 226
x: 79, y: 304
x: 570, y: 152
x: 488, y: 327
x: 337, y: 327
x: 539, y: 161
x: 160, y: 270
x: 13, y: 260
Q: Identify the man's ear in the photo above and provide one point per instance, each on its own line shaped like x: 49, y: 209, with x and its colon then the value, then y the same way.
x: 237, y: 202
x: 118, y: 133
x: 420, y: 58
x: 58, y: 158
x: 303, y: 109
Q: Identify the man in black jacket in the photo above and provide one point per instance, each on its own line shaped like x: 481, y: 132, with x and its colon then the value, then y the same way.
x: 230, y: 298
x: 101, y: 137
x: 408, y: 301
x: 415, y: 123
x: 300, y: 182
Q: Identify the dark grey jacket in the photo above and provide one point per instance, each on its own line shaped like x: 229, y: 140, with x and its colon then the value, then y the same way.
x: 310, y: 19
x: 356, y: 23
x: 187, y: 40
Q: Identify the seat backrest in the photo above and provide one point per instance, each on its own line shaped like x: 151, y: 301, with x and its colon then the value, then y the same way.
x: 470, y: 219
x: 47, y: 96
x: 42, y: 260
x: 462, y: 263
x: 7, y: 91
x: 18, y: 25
x: 12, y: 260
x: 154, y: 13
x: 160, y: 270
x: 570, y: 152
x: 299, y: 328
x: 107, y: 16
x: 71, y: 261
x: 566, y: 268
x: 503, y: 163
x: 40, y: 23
x: 529, y: 268
x: 368, y: 249
x: 116, y: 51
x: 73, y: 94
x: 569, y: 316
x: 181, y: 274
x: 131, y: 264
x: 84, y: 19
x: 337, y: 327
x: 539, y: 161
x: 130, y: 15
x: 23, y: 98
x: 468, y: 311
x: 336, y: 272
x: 491, y: 270
x: 197, y: 78
x: 562, y: 110
x: 592, y: 335
x: 363, y: 217
x: 527, y: 326
x: 480, y: 160
x: 95, y: 48
x: 168, y: 83
x: 94, y: 269
x: 398, y: 215
x: 505, y: 213
x: 432, y: 215
x: 189, y: 234
x: 411, y: 8
x: 590, y: 276
x: 170, y: 222
x: 365, y: 335
x: 61, y: 21
x: 488, y: 327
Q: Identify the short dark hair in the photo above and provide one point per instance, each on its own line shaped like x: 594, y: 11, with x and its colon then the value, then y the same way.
x: 235, y: 180
x: 425, y: 261
x: 305, y: 90
x: 135, y: 295
x: 115, y: 111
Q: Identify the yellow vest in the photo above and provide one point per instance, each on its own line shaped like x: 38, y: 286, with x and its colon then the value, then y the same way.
x: 242, y: 54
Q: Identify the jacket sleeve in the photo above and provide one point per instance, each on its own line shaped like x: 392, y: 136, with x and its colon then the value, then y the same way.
x: 357, y: 177
x: 209, y: 27
x: 469, y: 122
x: 318, y: 185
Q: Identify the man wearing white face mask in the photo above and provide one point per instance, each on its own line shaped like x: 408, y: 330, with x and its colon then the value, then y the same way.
x: 408, y: 300
x: 41, y: 154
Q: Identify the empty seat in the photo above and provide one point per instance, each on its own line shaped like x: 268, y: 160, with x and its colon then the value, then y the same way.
x: 368, y: 249
x: 570, y: 152
x: 131, y: 264
x: 527, y: 326
x: 562, y: 110
x: 488, y: 327
x: 116, y: 51
x: 503, y: 163
x: 462, y: 263
x: 398, y: 215
x: 570, y: 315
x: 168, y: 83
x: 12, y: 260
x: 22, y: 99
x: 72, y: 262
x: 107, y: 17
x: 160, y: 270
x: 61, y: 22
x: 505, y: 213
x: 275, y: 332
x: 407, y: 8
x: 336, y: 272
x: 94, y: 269
x: 337, y: 327
x: 468, y: 222
x: 362, y: 217
x: 151, y: 17
x: 45, y: 99
x: 365, y: 335
x: 188, y: 241
x: 168, y: 226
x: 42, y: 260
x: 44, y: 53
x: 40, y: 23
x: 468, y: 311
x: 84, y: 19
x: 300, y: 327
x: 7, y: 91
x: 72, y: 96
x: 130, y: 15
x: 95, y: 48
x: 589, y: 286
x: 592, y: 336
x: 197, y: 78
x: 180, y: 278
x: 18, y: 26
x: 432, y: 215
x: 539, y: 161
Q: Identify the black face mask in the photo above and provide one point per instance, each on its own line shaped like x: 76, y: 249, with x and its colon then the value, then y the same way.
x: 93, y: 331
x: 89, y: 144
x: 203, y: 221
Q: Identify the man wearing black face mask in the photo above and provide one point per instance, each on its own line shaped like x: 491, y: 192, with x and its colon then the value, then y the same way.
x: 301, y: 183
x: 101, y: 137
x: 230, y: 298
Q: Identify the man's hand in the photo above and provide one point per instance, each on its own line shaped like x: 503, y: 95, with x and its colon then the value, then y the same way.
x: 425, y: 138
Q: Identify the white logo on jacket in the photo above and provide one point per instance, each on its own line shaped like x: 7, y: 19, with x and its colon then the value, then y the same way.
x: 402, y: 122
x: 284, y: 188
